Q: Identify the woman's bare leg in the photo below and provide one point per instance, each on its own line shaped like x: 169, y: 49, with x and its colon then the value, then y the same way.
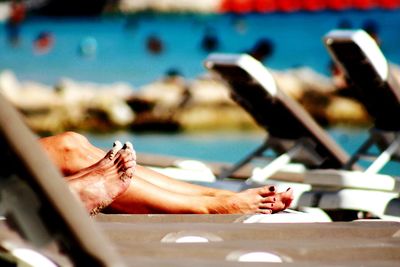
x: 72, y: 153
x: 153, y: 192
x: 144, y: 197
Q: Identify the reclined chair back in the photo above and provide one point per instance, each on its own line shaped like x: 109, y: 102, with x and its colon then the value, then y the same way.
x: 368, y: 73
x: 287, y: 123
x: 358, y: 55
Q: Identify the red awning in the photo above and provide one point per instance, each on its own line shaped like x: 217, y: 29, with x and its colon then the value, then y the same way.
x: 237, y: 6
x: 288, y: 5
x: 265, y: 6
x: 313, y: 5
x: 268, y: 6
x: 364, y: 4
x: 338, y: 4
x: 388, y: 4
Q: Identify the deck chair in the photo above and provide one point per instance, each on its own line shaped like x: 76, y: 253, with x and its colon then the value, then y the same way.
x: 293, y: 135
x: 291, y: 127
x: 367, y: 72
x: 36, y: 202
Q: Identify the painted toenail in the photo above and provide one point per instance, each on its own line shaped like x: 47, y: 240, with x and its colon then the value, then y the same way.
x: 117, y: 144
x: 272, y: 188
x: 129, y: 145
x: 116, y: 147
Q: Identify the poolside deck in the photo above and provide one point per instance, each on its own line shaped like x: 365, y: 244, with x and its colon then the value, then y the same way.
x: 225, y: 240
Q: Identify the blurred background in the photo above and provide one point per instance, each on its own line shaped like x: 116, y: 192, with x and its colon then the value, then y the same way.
x: 133, y: 69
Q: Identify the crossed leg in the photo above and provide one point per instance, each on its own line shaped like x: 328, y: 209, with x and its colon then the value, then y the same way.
x: 152, y: 192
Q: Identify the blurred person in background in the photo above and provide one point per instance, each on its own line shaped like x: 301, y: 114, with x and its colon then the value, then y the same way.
x: 13, y: 24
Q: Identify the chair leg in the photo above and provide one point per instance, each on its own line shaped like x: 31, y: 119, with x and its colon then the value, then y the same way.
x: 360, y: 151
x: 384, y: 157
x: 256, y: 153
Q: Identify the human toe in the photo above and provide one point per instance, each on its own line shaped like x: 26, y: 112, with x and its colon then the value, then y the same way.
x: 264, y: 211
x: 117, y: 145
x: 128, y: 145
x: 267, y: 191
x: 287, y: 197
x: 269, y: 199
x: 270, y: 206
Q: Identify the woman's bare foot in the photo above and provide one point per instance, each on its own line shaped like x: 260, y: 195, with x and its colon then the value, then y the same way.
x: 283, y: 200
x: 99, y: 184
x: 254, y: 200
x: 111, y: 154
x: 262, y: 200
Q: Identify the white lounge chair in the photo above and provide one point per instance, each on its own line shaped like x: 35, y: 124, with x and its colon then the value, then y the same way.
x: 291, y: 130
x: 293, y: 135
x: 369, y: 74
x: 291, y: 127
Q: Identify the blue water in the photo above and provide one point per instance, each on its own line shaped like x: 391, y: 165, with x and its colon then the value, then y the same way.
x: 121, y: 55
x: 227, y: 147
x: 214, y: 146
